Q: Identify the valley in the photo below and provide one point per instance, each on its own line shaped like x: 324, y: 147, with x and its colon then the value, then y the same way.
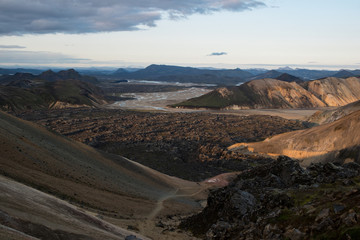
x: 162, y: 158
x: 179, y: 120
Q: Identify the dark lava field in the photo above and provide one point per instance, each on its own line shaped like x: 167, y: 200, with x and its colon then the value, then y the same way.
x: 191, y: 146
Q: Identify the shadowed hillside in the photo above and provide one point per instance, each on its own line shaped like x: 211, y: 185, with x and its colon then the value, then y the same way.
x: 78, y: 173
x: 47, y: 76
x: 58, y: 94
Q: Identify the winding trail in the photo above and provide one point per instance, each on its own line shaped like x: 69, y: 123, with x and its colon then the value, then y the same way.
x: 171, y: 195
x: 149, y: 221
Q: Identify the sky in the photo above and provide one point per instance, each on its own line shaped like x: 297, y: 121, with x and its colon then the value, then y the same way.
x: 316, y: 34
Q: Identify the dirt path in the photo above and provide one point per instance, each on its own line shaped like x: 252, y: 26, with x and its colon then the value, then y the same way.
x: 172, y: 195
x: 149, y: 222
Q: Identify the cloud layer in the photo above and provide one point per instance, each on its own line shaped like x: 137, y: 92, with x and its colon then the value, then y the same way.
x: 85, y: 16
x: 30, y: 57
x: 11, y: 47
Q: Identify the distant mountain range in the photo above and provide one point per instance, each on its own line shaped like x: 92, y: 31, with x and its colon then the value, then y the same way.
x: 224, y: 77
x: 6, y: 71
x: 186, y: 74
x: 272, y: 93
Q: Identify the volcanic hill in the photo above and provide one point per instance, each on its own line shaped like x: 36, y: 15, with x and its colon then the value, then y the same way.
x: 338, y: 140
x: 271, y: 93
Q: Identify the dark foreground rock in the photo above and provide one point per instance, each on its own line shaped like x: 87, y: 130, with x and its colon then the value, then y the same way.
x: 281, y: 200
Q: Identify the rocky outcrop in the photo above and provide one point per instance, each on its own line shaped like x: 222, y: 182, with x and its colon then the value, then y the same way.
x: 273, y: 93
x: 281, y: 200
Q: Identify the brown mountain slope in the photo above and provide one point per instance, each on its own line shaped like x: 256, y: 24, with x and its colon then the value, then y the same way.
x: 335, y: 91
x: 108, y: 184
x: 262, y: 93
x: 339, y: 139
x: 327, y: 116
x: 272, y: 93
x: 279, y: 94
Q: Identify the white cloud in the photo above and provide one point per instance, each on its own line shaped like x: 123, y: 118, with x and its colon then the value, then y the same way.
x: 218, y: 54
x: 84, y: 16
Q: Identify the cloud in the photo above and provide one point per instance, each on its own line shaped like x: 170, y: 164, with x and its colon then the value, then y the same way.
x: 218, y: 54
x: 32, y: 57
x: 19, y: 17
x: 11, y: 46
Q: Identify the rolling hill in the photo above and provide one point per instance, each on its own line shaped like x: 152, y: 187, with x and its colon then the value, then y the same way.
x: 288, y: 78
x: 272, y: 93
x: 47, y: 76
x: 327, y: 116
x: 269, y: 74
x: 58, y: 94
x: 109, y: 185
x: 338, y: 140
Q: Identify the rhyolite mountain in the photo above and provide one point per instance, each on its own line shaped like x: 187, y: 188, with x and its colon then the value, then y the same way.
x: 335, y: 92
x: 186, y: 74
x: 272, y: 93
x: 331, y: 115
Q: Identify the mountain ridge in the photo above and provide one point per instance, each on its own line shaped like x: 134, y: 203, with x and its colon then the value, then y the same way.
x: 186, y: 74
x: 72, y: 93
x: 272, y: 93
